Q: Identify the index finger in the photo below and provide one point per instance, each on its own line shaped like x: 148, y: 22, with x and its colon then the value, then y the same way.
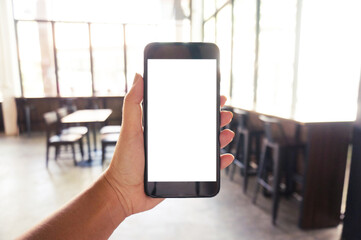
x: 223, y: 100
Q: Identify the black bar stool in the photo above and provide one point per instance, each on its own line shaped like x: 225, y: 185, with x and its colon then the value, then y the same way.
x: 245, y: 138
x: 277, y: 152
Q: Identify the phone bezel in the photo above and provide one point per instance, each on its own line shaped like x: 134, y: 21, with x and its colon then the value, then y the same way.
x: 178, y: 50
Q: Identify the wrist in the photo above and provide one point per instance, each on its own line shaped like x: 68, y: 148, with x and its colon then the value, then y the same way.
x: 115, y: 208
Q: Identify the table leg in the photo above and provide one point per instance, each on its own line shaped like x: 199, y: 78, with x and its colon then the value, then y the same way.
x: 88, y: 142
x: 95, y: 137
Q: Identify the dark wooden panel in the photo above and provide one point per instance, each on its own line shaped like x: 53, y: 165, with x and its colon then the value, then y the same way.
x: 352, y: 222
x: 327, y: 146
x: 38, y: 106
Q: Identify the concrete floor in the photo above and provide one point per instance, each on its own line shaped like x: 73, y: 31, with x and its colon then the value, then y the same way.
x: 29, y: 192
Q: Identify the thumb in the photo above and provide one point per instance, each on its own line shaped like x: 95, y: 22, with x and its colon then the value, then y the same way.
x: 132, y: 110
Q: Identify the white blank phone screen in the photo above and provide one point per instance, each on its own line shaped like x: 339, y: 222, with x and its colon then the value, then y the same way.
x: 182, y: 120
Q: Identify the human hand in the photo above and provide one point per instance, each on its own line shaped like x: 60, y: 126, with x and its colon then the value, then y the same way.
x: 126, y: 171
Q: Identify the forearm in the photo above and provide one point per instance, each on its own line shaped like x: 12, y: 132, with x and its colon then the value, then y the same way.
x: 94, y: 214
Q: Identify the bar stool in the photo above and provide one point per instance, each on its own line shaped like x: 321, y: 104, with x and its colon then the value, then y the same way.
x: 245, y: 137
x: 274, y: 155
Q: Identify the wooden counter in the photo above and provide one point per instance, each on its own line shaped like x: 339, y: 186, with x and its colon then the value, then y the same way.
x: 326, y: 157
x: 324, y: 169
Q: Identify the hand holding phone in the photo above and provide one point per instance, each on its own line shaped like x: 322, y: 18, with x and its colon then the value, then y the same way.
x: 126, y: 171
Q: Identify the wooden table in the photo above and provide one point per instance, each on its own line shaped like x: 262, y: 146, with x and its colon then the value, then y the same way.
x: 88, y: 117
x: 327, y: 145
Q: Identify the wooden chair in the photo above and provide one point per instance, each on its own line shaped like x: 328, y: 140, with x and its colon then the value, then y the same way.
x: 59, y: 139
x: 108, y: 139
x: 110, y: 129
x: 276, y: 152
x: 244, y: 140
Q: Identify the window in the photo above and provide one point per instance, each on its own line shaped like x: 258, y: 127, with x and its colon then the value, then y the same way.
x: 36, y: 59
x: 330, y: 60
x: 244, y: 43
x: 217, y: 28
x: 108, y: 59
x: 210, y: 30
x: 209, y: 8
x: 72, y: 48
x: 294, y: 60
x: 83, y: 48
x: 276, y: 57
x: 223, y: 40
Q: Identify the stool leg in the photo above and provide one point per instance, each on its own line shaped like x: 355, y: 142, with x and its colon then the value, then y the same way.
x: 47, y: 155
x: 231, y: 174
x: 237, y: 156
x: 103, y: 152
x: 289, y: 171
x: 246, y: 159
x: 73, y: 151
x: 258, y: 147
x: 81, y: 147
x: 260, y: 170
x: 57, y: 149
x: 277, y: 161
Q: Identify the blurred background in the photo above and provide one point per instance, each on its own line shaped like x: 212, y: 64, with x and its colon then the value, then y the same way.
x: 296, y: 60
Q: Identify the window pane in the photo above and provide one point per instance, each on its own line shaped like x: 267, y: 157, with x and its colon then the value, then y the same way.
x: 138, y: 36
x: 243, y: 53
x: 108, y: 59
x: 220, y: 3
x: 223, y: 40
x: 72, y: 43
x: 276, y: 57
x: 36, y: 59
x: 210, y: 30
x: 329, y: 62
x: 95, y: 10
x: 209, y: 8
x: 31, y: 9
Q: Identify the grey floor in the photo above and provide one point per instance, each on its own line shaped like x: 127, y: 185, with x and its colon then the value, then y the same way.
x: 29, y: 192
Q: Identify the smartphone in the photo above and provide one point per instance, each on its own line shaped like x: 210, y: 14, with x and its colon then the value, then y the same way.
x: 181, y: 120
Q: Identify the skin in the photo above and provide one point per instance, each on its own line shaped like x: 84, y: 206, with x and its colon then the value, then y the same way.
x: 119, y: 192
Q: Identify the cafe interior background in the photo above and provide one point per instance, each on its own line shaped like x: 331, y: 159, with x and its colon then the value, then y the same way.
x: 295, y: 61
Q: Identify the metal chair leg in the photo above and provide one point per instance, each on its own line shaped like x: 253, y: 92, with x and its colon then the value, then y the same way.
x: 81, y: 147
x: 103, y: 152
x: 73, y: 150
x: 57, y: 150
x: 47, y: 156
x: 238, y: 150
x: 260, y: 171
x: 246, y: 160
x: 278, y: 155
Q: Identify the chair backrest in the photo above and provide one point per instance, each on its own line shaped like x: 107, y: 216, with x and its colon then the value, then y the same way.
x: 51, y: 122
x: 268, y: 123
x: 62, y: 112
x: 50, y: 118
x: 240, y: 117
